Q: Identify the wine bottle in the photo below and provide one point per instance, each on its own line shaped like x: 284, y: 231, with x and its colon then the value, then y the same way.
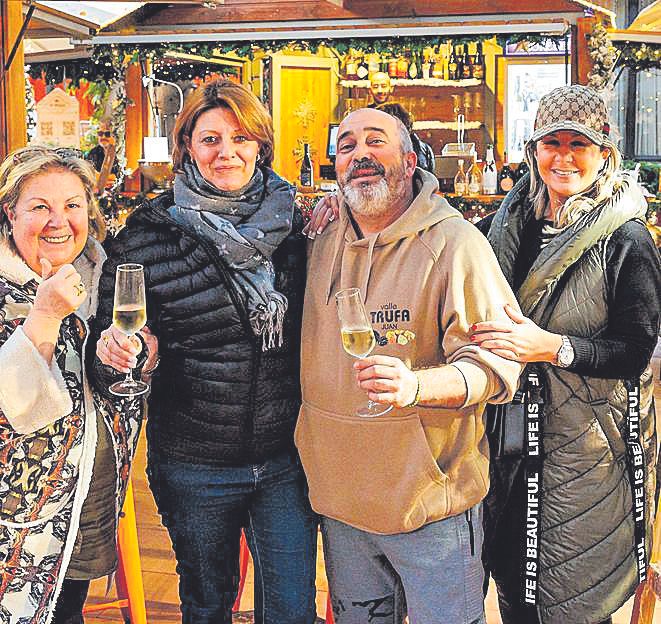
x: 489, y: 176
x: 363, y: 69
x: 307, y: 172
x: 521, y: 170
x: 478, y: 63
x: 466, y: 65
x: 505, y: 177
x: 474, y: 176
x: 460, y: 181
x: 453, y: 66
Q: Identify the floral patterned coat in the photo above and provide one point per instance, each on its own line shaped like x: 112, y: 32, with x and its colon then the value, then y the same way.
x: 48, y: 435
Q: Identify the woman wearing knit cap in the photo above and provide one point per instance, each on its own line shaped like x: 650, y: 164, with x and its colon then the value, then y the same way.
x: 569, y: 517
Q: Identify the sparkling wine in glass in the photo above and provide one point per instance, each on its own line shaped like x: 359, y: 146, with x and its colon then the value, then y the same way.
x: 129, y: 316
x: 357, y: 337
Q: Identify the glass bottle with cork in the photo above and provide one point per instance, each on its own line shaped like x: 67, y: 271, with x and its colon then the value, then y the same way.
x: 466, y: 64
x: 454, y: 66
x: 478, y: 63
x: 489, y: 175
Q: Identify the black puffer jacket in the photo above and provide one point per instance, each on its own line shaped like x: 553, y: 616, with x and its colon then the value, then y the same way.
x: 216, y: 398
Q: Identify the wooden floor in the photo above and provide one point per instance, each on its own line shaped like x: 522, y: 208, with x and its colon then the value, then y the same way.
x: 160, y: 579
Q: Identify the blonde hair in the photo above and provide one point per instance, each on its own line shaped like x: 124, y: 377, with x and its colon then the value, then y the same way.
x: 253, y: 118
x: 576, y: 206
x: 27, y: 162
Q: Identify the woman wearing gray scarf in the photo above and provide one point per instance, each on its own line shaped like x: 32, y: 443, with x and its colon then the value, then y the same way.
x: 225, y: 273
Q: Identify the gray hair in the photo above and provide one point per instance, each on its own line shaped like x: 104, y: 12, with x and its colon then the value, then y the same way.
x: 26, y: 162
x: 582, y: 203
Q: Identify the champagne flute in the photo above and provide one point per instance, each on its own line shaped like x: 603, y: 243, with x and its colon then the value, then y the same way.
x: 357, y: 338
x: 129, y: 316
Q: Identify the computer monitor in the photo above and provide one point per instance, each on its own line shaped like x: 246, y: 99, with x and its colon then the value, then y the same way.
x: 332, y: 139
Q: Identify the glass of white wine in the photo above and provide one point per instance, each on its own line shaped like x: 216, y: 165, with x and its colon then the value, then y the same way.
x: 357, y: 338
x: 129, y: 316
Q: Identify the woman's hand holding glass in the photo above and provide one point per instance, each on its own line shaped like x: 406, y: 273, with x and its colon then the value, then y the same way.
x: 118, y: 346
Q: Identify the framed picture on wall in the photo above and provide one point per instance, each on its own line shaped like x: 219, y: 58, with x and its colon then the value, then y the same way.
x: 526, y: 81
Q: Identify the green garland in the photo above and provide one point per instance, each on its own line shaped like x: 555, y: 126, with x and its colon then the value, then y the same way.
x: 638, y: 56
x: 389, y: 45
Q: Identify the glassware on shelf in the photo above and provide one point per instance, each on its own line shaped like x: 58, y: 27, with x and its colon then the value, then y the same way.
x: 460, y: 180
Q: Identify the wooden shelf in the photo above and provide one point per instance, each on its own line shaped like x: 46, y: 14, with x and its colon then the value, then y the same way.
x: 417, y: 82
x: 445, y: 125
x: 487, y: 199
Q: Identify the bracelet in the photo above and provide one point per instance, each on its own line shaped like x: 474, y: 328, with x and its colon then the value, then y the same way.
x: 153, y: 368
x: 416, y: 399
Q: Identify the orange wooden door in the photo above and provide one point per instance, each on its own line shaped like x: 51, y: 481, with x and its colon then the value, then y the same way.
x: 304, y: 101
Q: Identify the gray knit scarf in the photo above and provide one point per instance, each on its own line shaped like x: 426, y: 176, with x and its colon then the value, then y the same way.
x: 246, y: 227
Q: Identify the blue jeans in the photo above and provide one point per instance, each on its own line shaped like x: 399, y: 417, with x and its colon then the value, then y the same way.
x: 434, y: 573
x: 204, y: 509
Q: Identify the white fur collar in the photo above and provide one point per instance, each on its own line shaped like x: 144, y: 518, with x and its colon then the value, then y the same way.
x: 88, y: 264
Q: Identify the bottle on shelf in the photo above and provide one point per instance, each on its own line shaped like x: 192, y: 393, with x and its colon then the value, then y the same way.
x: 466, y: 64
x: 307, y: 172
x: 351, y: 67
x: 489, y: 175
x: 385, y: 63
x: 474, y: 177
x: 505, y: 177
x: 373, y: 63
x: 437, y: 67
x: 454, y: 70
x: 521, y: 170
x: 362, y: 71
x: 402, y: 67
x: 414, y: 67
x: 426, y: 65
x: 392, y: 67
x: 478, y: 63
x: 460, y: 181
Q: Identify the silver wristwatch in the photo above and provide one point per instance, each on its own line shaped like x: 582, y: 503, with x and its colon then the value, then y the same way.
x: 565, y: 356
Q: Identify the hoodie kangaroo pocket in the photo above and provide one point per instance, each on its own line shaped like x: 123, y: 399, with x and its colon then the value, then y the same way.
x: 376, y: 474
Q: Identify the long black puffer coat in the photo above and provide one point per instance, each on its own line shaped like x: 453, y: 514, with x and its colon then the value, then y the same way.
x: 217, y: 399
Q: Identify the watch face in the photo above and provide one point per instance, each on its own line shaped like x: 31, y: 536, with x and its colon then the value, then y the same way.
x: 565, y: 354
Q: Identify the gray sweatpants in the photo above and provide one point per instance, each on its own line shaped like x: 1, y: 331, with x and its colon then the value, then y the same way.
x: 434, y: 574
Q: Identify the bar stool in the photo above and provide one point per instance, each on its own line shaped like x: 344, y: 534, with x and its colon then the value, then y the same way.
x: 244, y: 557
x: 128, y: 579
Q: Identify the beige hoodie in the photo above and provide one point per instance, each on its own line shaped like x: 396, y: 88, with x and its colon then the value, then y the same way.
x: 425, y: 279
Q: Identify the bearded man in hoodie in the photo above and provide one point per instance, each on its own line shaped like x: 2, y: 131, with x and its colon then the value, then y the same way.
x: 400, y: 494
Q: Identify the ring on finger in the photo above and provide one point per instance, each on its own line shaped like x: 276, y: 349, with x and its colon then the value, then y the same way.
x: 79, y: 288
x: 105, y: 339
